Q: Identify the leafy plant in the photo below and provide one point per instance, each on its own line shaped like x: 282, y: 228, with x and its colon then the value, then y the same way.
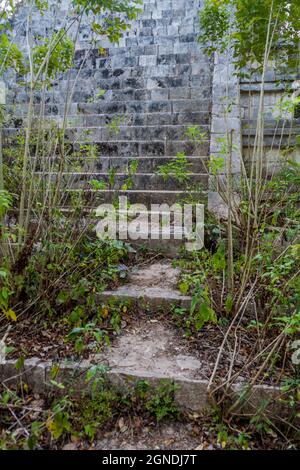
x: 246, y: 25
x: 178, y: 169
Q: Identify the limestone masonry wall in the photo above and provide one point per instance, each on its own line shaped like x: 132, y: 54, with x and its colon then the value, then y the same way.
x: 157, y: 83
x: 153, y: 85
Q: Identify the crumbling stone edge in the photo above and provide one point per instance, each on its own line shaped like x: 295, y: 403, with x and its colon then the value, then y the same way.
x: 190, y: 395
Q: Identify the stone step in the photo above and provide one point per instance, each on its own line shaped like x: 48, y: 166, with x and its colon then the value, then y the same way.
x: 132, y: 148
x: 152, y: 286
x: 132, y: 133
x: 167, y: 25
x: 117, y: 107
x: 154, y: 148
x: 99, y: 94
x: 147, y: 148
x: 271, y: 76
x: 123, y: 164
x: 124, y: 132
x: 145, y: 49
x: 171, y: 247
x: 120, y: 79
x: 151, y: 297
x: 163, y: 39
x: 119, y: 181
x: 100, y: 90
x: 193, y: 53
x: 145, y: 106
x: 146, y: 355
x: 92, y: 198
x: 160, y: 76
x: 138, y: 49
x: 123, y: 79
x: 137, y: 60
x: 136, y: 119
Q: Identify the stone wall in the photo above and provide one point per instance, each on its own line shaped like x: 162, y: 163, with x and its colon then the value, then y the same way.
x: 281, y: 125
x: 157, y: 82
x: 154, y: 84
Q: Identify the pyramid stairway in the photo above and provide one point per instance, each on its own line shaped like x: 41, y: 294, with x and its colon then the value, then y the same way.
x: 132, y: 106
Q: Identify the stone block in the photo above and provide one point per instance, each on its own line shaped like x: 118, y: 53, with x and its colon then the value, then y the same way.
x: 192, y: 395
x: 71, y: 374
x: 32, y: 374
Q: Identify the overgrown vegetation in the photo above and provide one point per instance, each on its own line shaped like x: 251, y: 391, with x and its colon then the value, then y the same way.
x: 245, y: 282
x: 255, y: 30
x: 82, y: 417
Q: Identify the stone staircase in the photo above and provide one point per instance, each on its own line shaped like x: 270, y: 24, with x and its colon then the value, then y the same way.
x: 133, y: 106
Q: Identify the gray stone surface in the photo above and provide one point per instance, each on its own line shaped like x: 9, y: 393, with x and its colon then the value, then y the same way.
x: 33, y: 374
x: 191, y: 395
x: 152, y: 365
x: 152, y: 286
x: 157, y: 82
x: 225, y: 121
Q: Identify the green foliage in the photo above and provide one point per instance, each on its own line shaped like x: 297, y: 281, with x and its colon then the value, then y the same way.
x: 5, y: 276
x: 11, y: 56
x: 5, y: 202
x: 160, y: 401
x: 116, y: 15
x: 59, y: 51
x: 96, y: 411
x: 130, y: 172
x: 195, y: 134
x: 290, y: 324
x: 86, y: 333
x: 216, y: 165
x: 129, y: 8
x: 59, y: 422
x: 178, y: 168
x: 86, y: 417
x: 201, y: 311
x: 215, y: 23
x: 246, y: 29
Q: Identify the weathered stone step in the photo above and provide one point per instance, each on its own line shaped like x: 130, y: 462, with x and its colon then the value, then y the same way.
x: 153, y: 286
x: 120, y: 79
x: 152, y: 364
x: 125, y: 133
x: 119, y: 107
x: 171, y: 23
x: 135, y: 148
x: 81, y: 94
x: 171, y: 247
x: 104, y: 91
x: 146, y: 49
x: 136, y: 119
x: 162, y: 40
x: 146, y: 148
x: 92, y: 198
x: 268, y: 87
x: 148, y: 181
x: 145, y: 106
x: 131, y: 148
x: 121, y: 164
x: 193, y: 52
x: 139, y: 60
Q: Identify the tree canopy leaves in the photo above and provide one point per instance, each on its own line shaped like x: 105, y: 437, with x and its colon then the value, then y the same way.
x: 244, y: 24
